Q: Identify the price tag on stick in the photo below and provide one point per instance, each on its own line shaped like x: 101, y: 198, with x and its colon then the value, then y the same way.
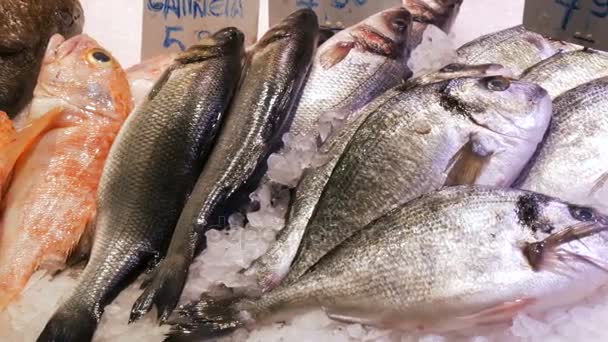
x: 174, y: 25
x: 583, y: 22
x: 334, y: 13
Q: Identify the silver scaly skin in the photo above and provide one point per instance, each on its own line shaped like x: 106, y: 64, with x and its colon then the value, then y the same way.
x: 515, y: 48
x: 450, y: 260
x: 567, y: 70
x: 152, y: 167
x: 572, y: 162
x: 353, y: 67
x: 461, y: 131
x: 259, y: 116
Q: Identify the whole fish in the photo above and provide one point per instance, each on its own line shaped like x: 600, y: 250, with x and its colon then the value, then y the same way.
x: 460, y: 131
x: 568, y: 70
x: 51, y: 198
x: 440, y: 13
x: 26, y: 27
x: 150, y: 172
x: 451, y: 260
x: 572, y: 162
x: 515, y: 48
x: 257, y: 119
x: 144, y: 75
x: 353, y: 67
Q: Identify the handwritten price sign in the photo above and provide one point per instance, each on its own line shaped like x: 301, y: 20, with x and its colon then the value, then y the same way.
x: 331, y: 12
x: 174, y: 25
x: 583, y: 22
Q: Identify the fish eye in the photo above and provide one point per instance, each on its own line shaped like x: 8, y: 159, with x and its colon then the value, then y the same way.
x: 452, y: 67
x: 98, y: 56
x: 498, y: 83
x: 582, y: 213
x: 399, y: 25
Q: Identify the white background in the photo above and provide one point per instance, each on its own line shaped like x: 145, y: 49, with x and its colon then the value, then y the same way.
x: 116, y: 24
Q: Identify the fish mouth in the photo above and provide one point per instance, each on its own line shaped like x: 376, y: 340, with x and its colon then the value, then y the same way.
x: 370, y: 40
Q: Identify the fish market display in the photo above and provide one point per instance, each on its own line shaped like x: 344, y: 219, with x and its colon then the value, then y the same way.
x: 515, y: 48
x: 568, y: 70
x: 461, y: 131
x: 440, y: 13
x: 51, y: 197
x: 144, y: 75
x: 259, y: 116
x: 353, y: 67
x: 150, y: 171
x: 572, y: 162
x: 27, y: 26
x: 454, y: 259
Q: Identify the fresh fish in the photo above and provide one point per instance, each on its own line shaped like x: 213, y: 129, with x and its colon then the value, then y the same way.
x: 144, y: 75
x: 440, y: 13
x: 82, y: 98
x: 515, y: 48
x: 151, y: 169
x: 454, y: 259
x: 259, y: 116
x: 27, y: 26
x: 568, y: 70
x: 456, y: 70
x: 460, y: 131
x: 572, y: 163
x: 353, y: 67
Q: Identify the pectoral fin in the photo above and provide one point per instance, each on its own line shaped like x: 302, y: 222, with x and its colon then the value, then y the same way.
x: 599, y: 183
x: 467, y: 164
x: 496, y: 314
x: 335, y: 54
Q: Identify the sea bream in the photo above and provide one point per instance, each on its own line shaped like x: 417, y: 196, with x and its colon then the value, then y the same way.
x: 79, y: 105
x: 572, y: 162
x: 150, y: 172
x: 451, y: 260
x: 467, y: 130
x: 353, y: 67
x: 260, y: 114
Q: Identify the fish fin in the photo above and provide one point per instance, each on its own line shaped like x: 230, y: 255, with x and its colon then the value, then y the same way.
x: 70, y: 323
x: 163, y: 289
x: 466, y: 165
x: 334, y: 315
x: 599, y: 183
x: 498, y: 313
x: 81, y: 253
x: 335, y: 54
x: 206, y: 318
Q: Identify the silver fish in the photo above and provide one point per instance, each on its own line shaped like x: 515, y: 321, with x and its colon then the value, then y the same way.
x: 568, y: 70
x: 353, y: 67
x: 150, y: 171
x: 257, y: 119
x: 515, y: 48
x: 460, y: 131
x: 572, y: 162
x: 450, y: 260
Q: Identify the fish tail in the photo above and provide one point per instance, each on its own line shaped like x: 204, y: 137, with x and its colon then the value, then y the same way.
x: 163, y: 290
x: 206, y: 319
x: 70, y: 324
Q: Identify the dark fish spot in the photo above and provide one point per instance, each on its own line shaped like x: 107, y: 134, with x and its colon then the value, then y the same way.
x: 528, y: 210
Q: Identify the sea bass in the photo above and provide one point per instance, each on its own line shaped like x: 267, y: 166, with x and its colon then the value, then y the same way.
x: 144, y: 75
x: 461, y: 131
x: 459, y: 258
x: 353, y: 67
x: 83, y: 99
x: 150, y: 172
x: 568, y: 70
x: 260, y: 114
x: 26, y: 27
x: 572, y: 162
x: 515, y: 48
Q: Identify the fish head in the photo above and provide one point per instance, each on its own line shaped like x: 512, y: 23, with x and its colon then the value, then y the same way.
x: 303, y: 22
x: 70, y: 17
x: 502, y: 105
x: 564, y: 233
x: 79, y: 75
x: 385, y: 33
x: 227, y: 41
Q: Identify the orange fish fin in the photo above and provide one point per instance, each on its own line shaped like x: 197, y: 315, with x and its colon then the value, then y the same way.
x: 497, y: 314
x: 335, y: 54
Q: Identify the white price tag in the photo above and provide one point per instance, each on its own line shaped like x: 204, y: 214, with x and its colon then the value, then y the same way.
x: 334, y: 13
x: 583, y: 22
x: 174, y: 25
